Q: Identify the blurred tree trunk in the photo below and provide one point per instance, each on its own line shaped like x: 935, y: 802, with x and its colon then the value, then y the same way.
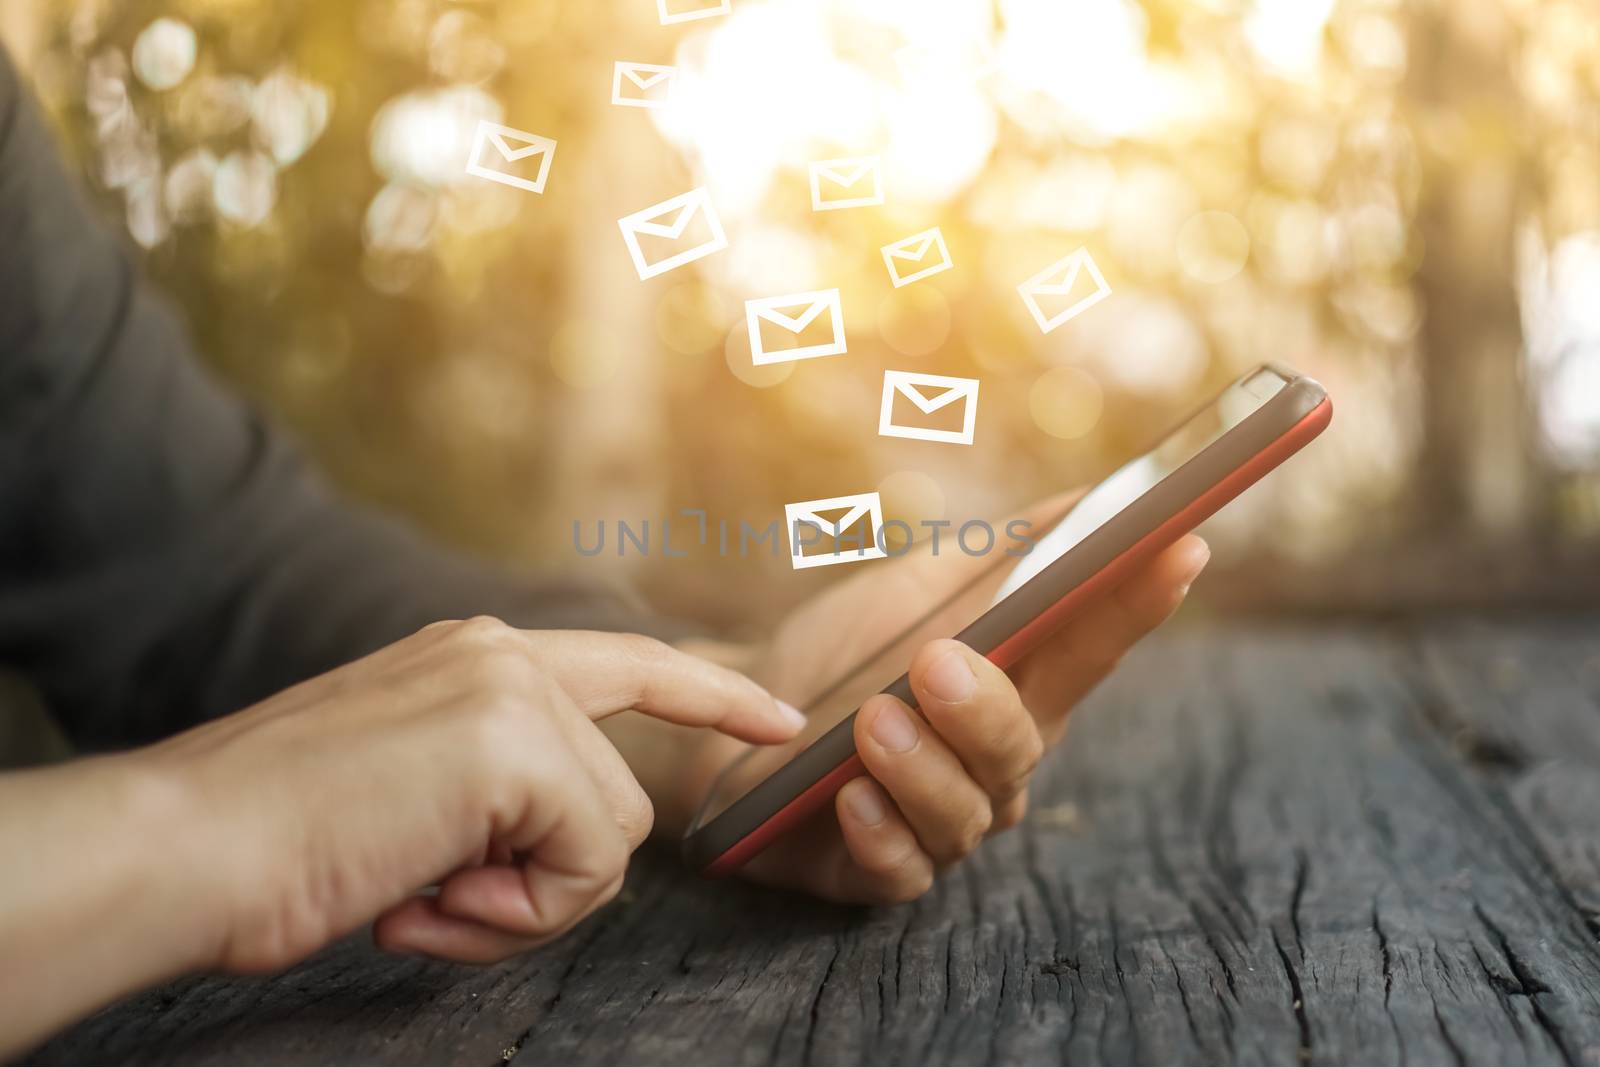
x: 1479, y: 467
x: 607, y: 440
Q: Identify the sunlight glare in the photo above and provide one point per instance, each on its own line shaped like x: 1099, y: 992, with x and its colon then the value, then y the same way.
x: 1287, y: 34
x: 1087, y: 59
x: 759, y: 91
x: 425, y: 137
x: 1561, y: 325
x: 767, y: 90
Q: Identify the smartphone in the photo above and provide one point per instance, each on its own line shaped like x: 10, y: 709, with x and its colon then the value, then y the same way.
x: 1008, y: 608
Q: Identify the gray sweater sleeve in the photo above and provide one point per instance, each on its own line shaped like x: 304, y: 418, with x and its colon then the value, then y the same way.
x: 165, y: 554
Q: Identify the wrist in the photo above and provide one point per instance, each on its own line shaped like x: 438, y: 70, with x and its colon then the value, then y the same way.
x: 106, y: 904
x: 177, y: 868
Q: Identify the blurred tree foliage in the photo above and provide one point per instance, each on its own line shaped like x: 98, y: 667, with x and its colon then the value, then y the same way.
x: 1401, y: 177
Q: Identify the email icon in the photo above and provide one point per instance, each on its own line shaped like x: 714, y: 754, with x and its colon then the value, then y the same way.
x: 1060, y: 292
x: 841, y: 183
x: 930, y: 395
x: 642, y: 84
x: 672, y: 233
x: 512, y: 159
x: 674, y: 11
x: 923, y: 253
x: 791, y: 327
x: 853, y: 524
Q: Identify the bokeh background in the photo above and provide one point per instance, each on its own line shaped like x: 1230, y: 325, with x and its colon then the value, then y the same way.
x: 1399, y: 197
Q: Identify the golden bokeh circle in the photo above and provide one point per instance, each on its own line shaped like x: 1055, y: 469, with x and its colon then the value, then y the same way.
x: 1066, y: 402
x: 736, y: 350
x: 1213, y: 247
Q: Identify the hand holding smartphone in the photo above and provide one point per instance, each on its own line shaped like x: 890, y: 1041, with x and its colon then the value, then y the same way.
x: 1106, y: 535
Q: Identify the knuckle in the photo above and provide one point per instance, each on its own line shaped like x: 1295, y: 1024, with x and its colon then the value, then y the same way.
x: 890, y: 861
x: 614, y: 887
x: 611, y: 864
x: 481, y: 630
x: 946, y: 849
x: 636, y: 817
x: 982, y: 820
x: 1021, y: 759
x: 1012, y: 750
x: 1012, y: 812
x: 1032, y: 748
x: 912, y: 886
x: 972, y: 830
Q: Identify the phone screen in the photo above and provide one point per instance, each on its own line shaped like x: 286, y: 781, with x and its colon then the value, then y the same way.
x: 960, y: 589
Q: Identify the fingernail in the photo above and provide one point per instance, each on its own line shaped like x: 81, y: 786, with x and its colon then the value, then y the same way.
x: 796, y: 717
x: 864, y: 804
x: 949, y: 679
x: 894, y: 730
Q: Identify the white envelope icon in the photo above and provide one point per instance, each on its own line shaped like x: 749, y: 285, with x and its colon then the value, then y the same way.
x: 642, y: 84
x: 673, y: 11
x: 928, y: 393
x: 922, y: 253
x: 506, y: 155
x: 657, y: 246
x: 852, y: 524
x: 789, y: 319
x: 840, y: 183
x: 1050, y: 294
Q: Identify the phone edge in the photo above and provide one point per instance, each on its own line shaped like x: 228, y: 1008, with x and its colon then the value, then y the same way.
x: 1031, y: 634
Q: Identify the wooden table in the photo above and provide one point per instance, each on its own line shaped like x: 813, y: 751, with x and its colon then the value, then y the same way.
x: 1372, y: 843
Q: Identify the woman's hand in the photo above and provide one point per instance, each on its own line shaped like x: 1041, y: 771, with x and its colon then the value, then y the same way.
x: 956, y: 768
x: 946, y: 774
x: 465, y: 756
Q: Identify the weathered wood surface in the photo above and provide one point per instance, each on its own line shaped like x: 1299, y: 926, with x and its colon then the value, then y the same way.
x: 1274, y: 845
